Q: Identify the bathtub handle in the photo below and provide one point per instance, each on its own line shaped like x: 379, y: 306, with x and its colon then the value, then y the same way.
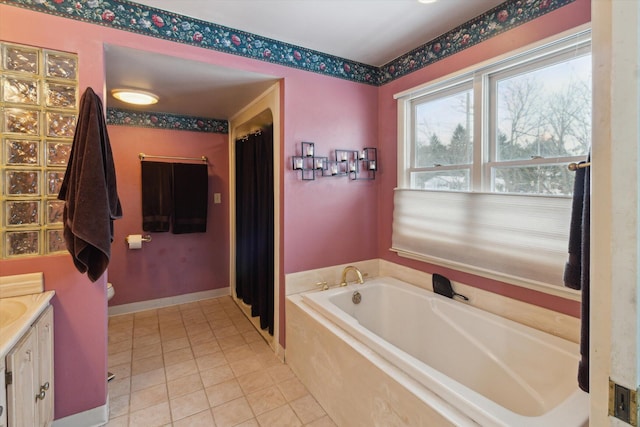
x: 322, y: 285
x: 462, y: 297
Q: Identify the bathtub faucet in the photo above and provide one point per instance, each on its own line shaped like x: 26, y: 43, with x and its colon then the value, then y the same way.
x: 346, y: 270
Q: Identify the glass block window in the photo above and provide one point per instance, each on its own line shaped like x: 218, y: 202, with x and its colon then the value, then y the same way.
x: 38, y: 113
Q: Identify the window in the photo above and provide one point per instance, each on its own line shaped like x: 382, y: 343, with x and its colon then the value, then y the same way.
x: 483, y: 183
x: 509, y: 127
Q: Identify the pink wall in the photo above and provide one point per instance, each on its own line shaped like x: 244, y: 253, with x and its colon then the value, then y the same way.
x: 555, y: 22
x: 170, y: 264
x: 331, y: 220
x: 325, y: 222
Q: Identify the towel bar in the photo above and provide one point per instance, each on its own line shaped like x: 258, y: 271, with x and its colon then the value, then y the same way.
x: 143, y: 156
x: 575, y: 166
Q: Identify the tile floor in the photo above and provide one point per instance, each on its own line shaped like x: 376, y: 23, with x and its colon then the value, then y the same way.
x: 201, y: 364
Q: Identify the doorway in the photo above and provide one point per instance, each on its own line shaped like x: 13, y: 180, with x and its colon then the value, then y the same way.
x: 263, y: 113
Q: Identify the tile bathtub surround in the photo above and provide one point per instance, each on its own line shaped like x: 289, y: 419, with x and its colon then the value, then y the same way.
x: 201, y: 364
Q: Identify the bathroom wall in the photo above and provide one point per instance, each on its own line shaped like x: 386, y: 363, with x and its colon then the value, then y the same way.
x: 325, y: 222
x: 171, y: 264
x: 565, y: 18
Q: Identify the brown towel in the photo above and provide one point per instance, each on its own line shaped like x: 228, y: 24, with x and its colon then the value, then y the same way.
x: 89, y: 191
x: 190, y: 193
x: 157, y: 198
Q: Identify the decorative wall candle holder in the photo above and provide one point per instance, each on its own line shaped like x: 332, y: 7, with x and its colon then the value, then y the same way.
x: 367, y: 164
x: 359, y: 165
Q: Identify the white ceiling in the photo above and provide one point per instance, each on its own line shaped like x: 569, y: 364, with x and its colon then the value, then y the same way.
x: 370, y: 31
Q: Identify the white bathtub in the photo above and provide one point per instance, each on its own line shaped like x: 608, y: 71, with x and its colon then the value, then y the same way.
x: 491, y: 370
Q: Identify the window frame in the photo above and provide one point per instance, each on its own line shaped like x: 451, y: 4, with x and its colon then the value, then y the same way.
x: 420, y: 245
x: 482, y: 78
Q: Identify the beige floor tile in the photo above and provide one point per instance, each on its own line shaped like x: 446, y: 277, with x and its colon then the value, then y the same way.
x: 119, y: 387
x: 201, y: 419
x: 177, y: 356
x: 148, y: 397
x: 265, y: 400
x: 196, y: 328
x: 189, y: 404
x: 240, y: 352
x: 323, y: 422
x: 121, y: 371
x: 232, y: 413
x: 176, y: 344
x: 255, y: 381
x: 148, y: 379
x: 280, y: 373
x: 281, y: 417
x: 141, y: 331
x: 146, y: 340
x: 147, y: 351
x: 140, y: 366
x: 216, y: 375
x: 119, y: 358
x: 119, y: 347
x: 184, y: 385
x: 181, y: 369
x: 209, y: 361
x: 245, y: 366
x: 223, y: 392
x: 153, y: 416
x: 118, y: 336
x: 251, y: 335
x: 202, y: 337
x: 227, y: 331
x: 292, y: 389
x: 206, y: 347
x: 122, y: 421
x: 173, y: 332
x: 249, y: 423
x: 228, y: 343
x: 118, y: 406
x: 307, y: 409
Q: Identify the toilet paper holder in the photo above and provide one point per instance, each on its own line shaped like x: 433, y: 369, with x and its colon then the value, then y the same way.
x: 145, y: 238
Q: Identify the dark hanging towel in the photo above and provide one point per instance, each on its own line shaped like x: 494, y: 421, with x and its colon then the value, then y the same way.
x: 254, y: 224
x: 89, y: 191
x: 576, y: 273
x: 157, y: 200
x: 190, y: 196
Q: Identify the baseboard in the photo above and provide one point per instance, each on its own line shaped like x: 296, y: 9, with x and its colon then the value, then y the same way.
x: 92, y: 418
x: 168, y: 301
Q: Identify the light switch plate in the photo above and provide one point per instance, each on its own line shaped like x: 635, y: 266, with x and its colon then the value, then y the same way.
x: 217, y: 198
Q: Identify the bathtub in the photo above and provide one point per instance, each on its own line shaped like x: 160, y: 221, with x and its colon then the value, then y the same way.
x: 469, y: 366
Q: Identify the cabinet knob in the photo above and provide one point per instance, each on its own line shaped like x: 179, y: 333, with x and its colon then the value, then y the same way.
x: 45, y: 386
x: 41, y: 395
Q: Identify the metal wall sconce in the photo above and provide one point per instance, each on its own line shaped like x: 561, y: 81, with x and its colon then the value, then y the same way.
x: 358, y: 165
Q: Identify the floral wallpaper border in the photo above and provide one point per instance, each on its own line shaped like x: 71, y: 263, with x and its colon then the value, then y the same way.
x: 117, y: 116
x: 129, y: 16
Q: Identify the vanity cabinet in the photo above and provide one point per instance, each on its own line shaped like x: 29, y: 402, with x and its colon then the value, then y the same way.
x: 30, y: 376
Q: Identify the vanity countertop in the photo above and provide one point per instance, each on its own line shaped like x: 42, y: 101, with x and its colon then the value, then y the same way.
x: 17, y: 314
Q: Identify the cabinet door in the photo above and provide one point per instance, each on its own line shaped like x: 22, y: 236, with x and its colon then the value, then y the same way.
x: 44, y: 329
x: 21, y: 393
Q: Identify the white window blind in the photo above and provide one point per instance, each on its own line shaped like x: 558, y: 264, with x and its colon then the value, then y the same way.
x: 513, y: 238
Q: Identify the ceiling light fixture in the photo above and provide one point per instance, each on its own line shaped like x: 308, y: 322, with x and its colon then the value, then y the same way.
x: 135, y: 96
x: 427, y: 1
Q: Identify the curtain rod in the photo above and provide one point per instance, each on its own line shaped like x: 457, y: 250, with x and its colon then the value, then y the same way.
x: 575, y: 166
x: 143, y: 156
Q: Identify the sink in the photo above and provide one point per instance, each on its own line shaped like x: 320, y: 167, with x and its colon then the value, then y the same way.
x: 10, y: 311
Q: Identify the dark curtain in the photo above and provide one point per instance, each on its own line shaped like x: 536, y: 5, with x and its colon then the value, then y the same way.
x: 254, y: 224
x: 576, y: 273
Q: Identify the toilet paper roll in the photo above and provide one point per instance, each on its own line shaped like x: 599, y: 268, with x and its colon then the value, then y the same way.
x: 135, y: 241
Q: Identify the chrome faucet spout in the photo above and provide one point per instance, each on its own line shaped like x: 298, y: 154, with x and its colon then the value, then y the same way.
x: 346, y: 270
